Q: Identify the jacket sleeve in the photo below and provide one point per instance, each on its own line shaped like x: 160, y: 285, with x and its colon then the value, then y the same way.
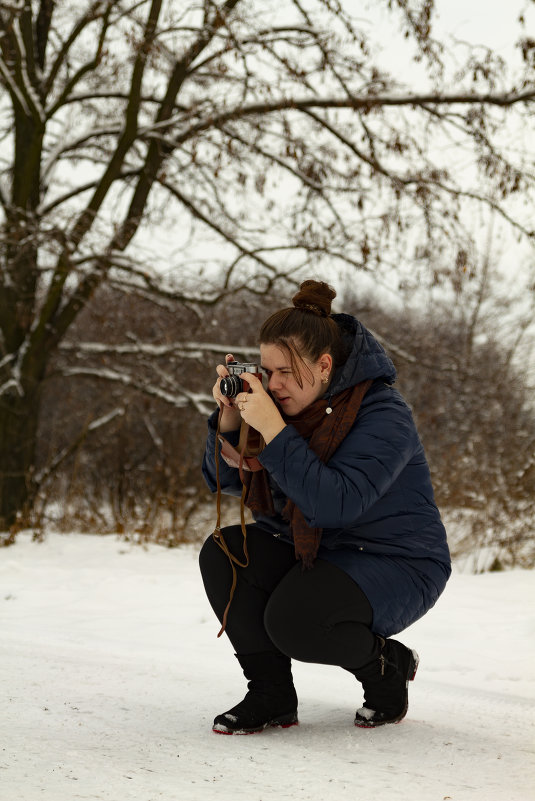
x: 229, y: 477
x: 381, y: 443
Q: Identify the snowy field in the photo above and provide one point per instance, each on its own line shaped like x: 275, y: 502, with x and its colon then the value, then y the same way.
x: 111, y: 674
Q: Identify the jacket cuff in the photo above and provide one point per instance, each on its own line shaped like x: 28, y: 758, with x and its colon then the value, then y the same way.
x: 270, y: 457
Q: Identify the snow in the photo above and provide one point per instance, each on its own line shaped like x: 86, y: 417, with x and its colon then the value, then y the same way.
x: 363, y: 712
x: 111, y: 674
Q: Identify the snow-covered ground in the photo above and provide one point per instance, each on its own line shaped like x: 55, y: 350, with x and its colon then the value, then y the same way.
x: 111, y: 674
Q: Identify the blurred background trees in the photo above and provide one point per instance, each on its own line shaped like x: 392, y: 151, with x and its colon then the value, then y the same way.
x: 167, y: 170
x: 131, y: 456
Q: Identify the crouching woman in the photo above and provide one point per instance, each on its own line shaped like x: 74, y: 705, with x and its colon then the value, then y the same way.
x: 347, y: 548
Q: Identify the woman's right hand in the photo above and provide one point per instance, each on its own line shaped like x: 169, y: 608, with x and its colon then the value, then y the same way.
x: 230, y: 416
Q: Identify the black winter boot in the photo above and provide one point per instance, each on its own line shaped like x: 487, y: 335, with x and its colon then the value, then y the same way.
x: 385, y: 682
x: 271, y: 700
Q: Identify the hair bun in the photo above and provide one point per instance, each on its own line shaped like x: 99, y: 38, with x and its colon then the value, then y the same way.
x: 315, y: 296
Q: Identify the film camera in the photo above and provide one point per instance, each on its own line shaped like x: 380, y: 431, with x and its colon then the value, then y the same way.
x: 232, y: 384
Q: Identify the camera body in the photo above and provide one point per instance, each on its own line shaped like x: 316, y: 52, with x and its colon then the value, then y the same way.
x: 232, y: 384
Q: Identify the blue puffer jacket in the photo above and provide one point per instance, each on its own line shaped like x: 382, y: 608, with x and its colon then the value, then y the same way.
x: 373, y: 499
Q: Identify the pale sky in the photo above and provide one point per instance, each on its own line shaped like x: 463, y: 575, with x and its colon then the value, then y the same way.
x: 492, y: 22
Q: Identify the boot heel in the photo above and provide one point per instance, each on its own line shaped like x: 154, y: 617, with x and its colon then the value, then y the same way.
x: 285, y: 721
x: 413, y: 667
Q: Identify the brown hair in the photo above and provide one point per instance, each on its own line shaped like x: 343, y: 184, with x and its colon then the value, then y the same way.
x: 306, y: 330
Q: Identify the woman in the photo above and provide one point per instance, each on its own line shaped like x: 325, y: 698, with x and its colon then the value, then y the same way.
x: 348, y: 547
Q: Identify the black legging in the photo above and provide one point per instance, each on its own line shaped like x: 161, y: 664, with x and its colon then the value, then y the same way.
x: 319, y: 615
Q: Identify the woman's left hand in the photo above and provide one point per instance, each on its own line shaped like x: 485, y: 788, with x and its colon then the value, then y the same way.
x: 258, y: 410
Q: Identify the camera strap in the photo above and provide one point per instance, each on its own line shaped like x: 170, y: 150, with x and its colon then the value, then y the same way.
x: 243, y: 458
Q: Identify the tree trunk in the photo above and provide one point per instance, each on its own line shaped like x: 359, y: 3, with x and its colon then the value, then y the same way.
x: 18, y: 437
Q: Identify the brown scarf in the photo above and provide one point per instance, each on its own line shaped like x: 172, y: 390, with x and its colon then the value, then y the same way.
x: 324, y: 433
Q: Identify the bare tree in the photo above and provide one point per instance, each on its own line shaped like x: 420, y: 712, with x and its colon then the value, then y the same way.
x: 267, y: 128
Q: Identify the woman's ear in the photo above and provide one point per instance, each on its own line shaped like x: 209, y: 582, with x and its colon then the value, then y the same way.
x: 325, y: 363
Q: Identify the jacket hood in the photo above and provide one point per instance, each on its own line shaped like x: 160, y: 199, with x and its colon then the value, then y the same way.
x: 367, y: 358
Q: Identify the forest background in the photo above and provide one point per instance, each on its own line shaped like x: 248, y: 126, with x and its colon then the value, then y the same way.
x: 169, y: 172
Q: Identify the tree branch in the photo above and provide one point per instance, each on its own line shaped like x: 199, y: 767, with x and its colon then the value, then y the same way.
x: 40, y: 478
x: 365, y: 102
x: 184, y: 350
x: 93, y: 13
x: 203, y: 402
x: 43, y: 329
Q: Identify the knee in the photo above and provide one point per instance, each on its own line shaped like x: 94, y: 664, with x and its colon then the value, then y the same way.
x: 213, y: 557
x: 206, y: 552
x: 210, y: 556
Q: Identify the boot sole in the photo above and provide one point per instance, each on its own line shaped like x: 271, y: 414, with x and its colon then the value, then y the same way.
x: 362, y: 723
x: 282, y: 722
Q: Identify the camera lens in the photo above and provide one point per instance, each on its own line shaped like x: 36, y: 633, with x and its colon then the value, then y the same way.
x: 230, y: 386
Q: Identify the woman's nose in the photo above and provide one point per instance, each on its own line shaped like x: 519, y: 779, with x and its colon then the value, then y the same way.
x: 273, y: 383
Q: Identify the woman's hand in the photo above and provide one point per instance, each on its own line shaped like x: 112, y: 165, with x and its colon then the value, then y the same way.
x: 230, y: 416
x: 258, y: 410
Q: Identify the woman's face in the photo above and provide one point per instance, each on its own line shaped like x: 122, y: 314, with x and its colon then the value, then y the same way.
x: 283, y: 384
